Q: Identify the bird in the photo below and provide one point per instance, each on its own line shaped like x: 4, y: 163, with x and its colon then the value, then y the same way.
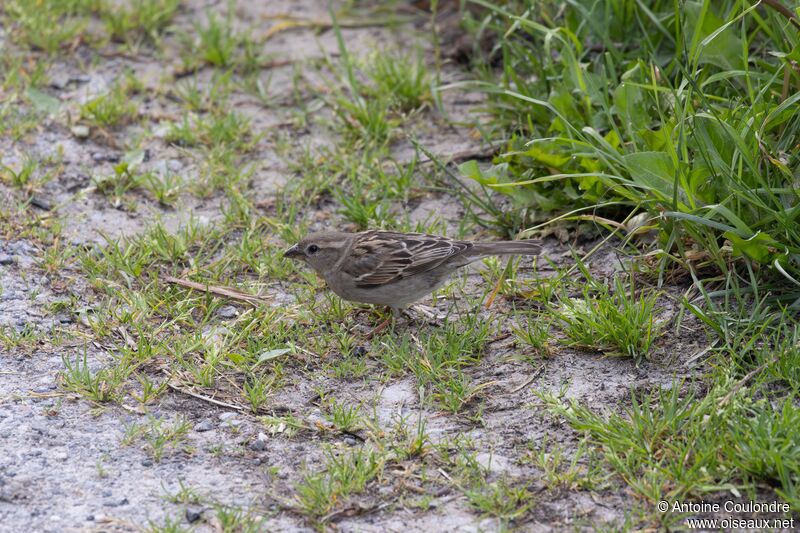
x: 391, y: 268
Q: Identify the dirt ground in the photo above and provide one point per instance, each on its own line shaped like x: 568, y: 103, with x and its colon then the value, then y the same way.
x: 64, y: 466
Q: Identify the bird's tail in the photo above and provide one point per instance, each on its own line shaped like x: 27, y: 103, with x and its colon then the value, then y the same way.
x: 530, y: 247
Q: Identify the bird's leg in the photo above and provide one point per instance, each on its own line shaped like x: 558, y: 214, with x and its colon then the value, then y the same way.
x: 396, y: 312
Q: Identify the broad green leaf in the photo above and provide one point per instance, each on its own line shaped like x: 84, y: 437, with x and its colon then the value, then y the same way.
x: 657, y: 140
x: 564, y: 103
x: 760, y: 247
x: 653, y: 170
x: 43, y: 101
x: 271, y: 354
x: 134, y: 158
x: 496, y: 177
x: 724, y: 49
x: 237, y: 359
x: 547, y: 155
x: 629, y: 103
x: 712, y: 141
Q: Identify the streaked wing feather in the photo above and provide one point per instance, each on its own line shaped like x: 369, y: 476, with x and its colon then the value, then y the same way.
x: 380, y: 257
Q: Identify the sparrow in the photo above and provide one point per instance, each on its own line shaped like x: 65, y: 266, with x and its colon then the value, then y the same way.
x: 390, y: 268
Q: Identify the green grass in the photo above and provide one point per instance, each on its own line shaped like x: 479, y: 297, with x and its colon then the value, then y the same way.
x: 198, y: 97
x: 693, y: 132
x: 438, y: 359
x: 165, y: 188
x: 112, y: 109
x: 139, y: 19
x: 170, y: 525
x: 581, y: 471
x: 28, y: 176
x: 618, y: 323
x: 12, y: 338
x: 345, y: 418
x: 223, y: 131
x: 536, y: 334
x: 232, y: 518
x: 217, y: 42
x: 670, y: 128
x: 179, y: 325
x: 405, y: 80
x: 20, y: 73
x: 49, y: 25
x: 345, y: 474
x: 501, y: 500
x: 58, y: 26
x: 673, y: 444
x: 218, y: 139
x: 257, y: 391
x: 101, y: 386
x: 158, y: 435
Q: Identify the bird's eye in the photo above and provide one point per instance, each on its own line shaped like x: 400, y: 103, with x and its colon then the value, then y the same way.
x: 312, y: 249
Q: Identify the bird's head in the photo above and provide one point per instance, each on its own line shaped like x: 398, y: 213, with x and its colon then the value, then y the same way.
x: 321, y: 251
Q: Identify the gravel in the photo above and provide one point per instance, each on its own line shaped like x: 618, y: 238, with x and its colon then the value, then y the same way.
x: 204, y: 425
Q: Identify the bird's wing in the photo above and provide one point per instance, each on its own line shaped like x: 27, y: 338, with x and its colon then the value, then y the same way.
x: 380, y: 257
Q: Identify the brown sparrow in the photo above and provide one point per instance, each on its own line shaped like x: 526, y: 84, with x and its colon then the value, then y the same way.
x: 390, y: 268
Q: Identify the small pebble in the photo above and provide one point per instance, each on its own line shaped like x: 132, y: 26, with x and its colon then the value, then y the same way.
x: 110, y: 157
x: 227, y: 415
x: 203, y: 425
x: 358, y: 351
x: 41, y: 203
x: 59, y: 82
x: 6, y: 259
x: 79, y: 131
x: 259, y: 443
x: 115, y: 503
x: 193, y: 515
x: 147, y: 462
x: 227, y: 311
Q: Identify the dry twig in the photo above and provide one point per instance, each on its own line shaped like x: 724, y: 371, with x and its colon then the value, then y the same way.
x: 216, y: 290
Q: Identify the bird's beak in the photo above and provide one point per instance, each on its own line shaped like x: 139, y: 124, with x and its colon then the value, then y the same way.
x: 293, y: 253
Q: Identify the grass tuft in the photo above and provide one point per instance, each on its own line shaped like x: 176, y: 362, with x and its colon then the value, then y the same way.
x: 618, y: 323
